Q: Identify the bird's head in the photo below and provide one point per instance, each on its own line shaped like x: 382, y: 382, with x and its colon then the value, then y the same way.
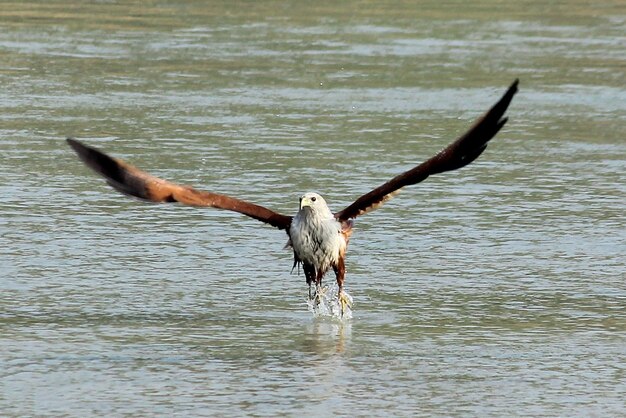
x: 315, y: 203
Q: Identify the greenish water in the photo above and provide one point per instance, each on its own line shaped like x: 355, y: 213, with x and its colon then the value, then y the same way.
x: 493, y: 291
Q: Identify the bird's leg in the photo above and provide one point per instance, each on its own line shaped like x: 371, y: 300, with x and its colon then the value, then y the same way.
x: 319, y: 292
x: 340, y: 272
x: 309, y: 273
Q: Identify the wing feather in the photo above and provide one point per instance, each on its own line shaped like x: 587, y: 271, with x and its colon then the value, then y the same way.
x: 456, y: 155
x: 134, y: 182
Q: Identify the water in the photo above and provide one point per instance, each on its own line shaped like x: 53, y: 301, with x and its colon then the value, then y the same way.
x: 496, y: 290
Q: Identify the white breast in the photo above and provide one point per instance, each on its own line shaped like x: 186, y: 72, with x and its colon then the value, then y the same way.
x: 316, y: 241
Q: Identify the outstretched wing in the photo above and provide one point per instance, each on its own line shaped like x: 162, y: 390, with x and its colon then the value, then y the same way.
x: 456, y: 155
x: 134, y: 182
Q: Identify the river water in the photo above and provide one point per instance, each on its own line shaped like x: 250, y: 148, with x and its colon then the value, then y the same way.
x: 496, y: 290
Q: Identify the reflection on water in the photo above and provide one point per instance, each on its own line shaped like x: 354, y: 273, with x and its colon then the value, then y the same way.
x: 326, y: 337
x: 498, y: 288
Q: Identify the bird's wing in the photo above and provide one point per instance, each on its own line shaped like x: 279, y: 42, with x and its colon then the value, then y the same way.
x: 456, y: 155
x: 134, y: 182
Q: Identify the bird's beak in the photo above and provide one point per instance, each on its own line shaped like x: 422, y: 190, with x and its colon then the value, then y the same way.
x: 305, y: 201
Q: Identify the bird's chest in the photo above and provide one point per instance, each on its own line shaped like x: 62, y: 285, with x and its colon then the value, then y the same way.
x: 316, y: 243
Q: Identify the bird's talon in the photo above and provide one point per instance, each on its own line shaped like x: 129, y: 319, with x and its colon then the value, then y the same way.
x: 319, y: 294
x: 344, y: 301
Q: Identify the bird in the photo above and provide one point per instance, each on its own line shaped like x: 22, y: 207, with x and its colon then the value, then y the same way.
x: 317, y: 236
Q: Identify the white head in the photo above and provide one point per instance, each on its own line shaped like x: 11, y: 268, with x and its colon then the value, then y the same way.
x: 314, y: 203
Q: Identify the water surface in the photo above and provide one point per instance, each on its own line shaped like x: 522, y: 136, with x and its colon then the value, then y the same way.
x: 496, y: 290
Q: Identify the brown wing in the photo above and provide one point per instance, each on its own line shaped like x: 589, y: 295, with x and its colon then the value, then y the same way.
x: 456, y: 155
x: 134, y: 182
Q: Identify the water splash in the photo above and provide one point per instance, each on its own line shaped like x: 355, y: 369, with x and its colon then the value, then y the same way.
x: 327, y: 305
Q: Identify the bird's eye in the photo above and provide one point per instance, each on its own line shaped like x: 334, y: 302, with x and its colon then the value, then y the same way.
x: 313, y: 199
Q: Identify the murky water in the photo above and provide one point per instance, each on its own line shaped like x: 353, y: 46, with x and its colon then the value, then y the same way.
x: 496, y: 290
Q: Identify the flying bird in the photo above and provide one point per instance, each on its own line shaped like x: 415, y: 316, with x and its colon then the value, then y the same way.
x: 318, y: 237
